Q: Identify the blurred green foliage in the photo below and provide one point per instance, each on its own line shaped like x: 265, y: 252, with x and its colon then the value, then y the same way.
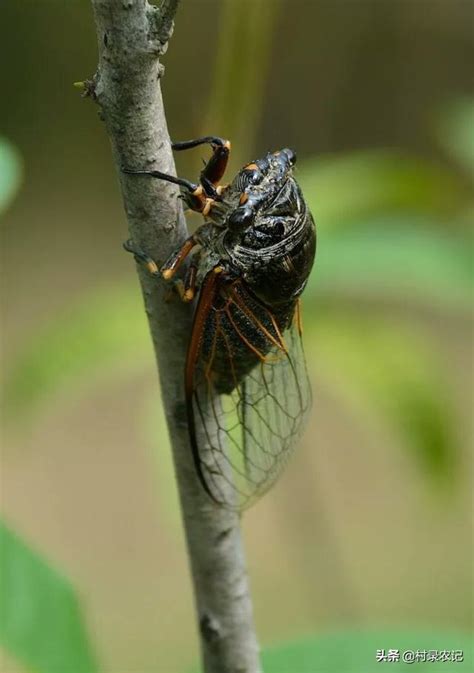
x: 100, y: 331
x: 237, y: 109
x: 455, y: 132
x: 10, y: 173
x: 408, y: 261
x: 345, y: 189
x: 353, y: 652
x: 387, y: 372
x: 40, y: 619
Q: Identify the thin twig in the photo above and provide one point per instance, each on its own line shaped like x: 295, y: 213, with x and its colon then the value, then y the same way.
x: 132, y: 35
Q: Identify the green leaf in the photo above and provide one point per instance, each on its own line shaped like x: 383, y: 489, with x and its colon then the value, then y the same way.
x: 340, y: 189
x: 108, y: 327
x: 355, y: 652
x: 10, y: 173
x: 455, y: 130
x: 395, y: 258
x: 379, y: 366
x: 40, y: 621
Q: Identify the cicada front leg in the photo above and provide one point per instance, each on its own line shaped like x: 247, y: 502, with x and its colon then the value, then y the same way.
x: 215, y: 167
x: 198, y: 197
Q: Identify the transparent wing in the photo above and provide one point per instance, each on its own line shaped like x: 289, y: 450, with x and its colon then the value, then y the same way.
x: 250, y: 398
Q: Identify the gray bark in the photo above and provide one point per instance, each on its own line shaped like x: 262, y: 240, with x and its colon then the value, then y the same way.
x: 132, y: 35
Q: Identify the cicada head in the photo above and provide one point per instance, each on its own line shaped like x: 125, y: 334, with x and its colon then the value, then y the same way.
x: 267, y: 194
x: 270, y: 235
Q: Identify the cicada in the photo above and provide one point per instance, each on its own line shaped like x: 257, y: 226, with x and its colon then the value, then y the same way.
x: 246, y: 385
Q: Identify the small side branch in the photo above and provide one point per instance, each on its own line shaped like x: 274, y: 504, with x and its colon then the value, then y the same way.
x: 132, y: 35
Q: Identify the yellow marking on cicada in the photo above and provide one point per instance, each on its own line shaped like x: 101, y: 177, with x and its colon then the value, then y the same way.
x: 244, y: 197
x: 251, y: 167
x: 207, y: 206
x: 299, y: 317
x: 221, y: 188
x: 152, y: 267
x: 188, y: 294
x: 167, y: 274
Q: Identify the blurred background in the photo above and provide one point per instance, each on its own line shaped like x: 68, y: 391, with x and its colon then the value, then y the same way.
x: 365, y: 543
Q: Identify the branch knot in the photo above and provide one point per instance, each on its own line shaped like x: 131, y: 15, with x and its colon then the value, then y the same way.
x: 210, y: 629
x: 160, y: 25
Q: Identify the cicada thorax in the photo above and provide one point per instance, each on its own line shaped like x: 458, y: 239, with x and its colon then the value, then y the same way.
x: 270, y: 237
x: 280, y: 272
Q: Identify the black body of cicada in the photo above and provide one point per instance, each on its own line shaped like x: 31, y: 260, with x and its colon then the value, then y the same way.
x: 247, y: 389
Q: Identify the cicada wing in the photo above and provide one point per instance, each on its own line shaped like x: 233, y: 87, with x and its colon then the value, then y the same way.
x: 275, y: 399
x: 249, y: 400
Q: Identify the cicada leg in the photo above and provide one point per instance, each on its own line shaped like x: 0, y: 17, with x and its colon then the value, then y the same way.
x: 190, y: 282
x: 187, y: 289
x: 142, y: 257
x: 199, y: 197
x: 194, y: 196
x: 176, y: 258
x: 184, y: 289
x: 171, y: 265
x: 215, y: 168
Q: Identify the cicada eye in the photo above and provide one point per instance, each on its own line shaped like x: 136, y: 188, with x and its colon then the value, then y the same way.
x: 241, y: 217
x: 250, y: 175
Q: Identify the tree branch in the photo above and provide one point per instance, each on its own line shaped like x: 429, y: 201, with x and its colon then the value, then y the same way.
x: 132, y: 35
